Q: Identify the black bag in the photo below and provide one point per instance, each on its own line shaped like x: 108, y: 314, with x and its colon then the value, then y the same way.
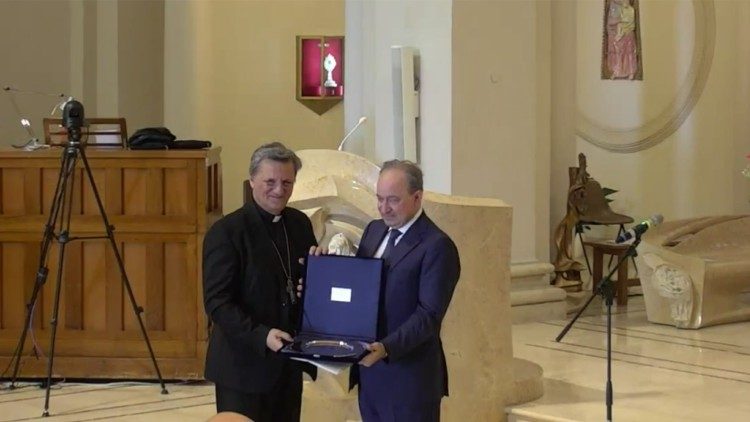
x: 151, y: 138
x: 161, y: 138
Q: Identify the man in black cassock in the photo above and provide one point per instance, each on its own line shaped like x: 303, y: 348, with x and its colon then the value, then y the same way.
x: 250, y: 267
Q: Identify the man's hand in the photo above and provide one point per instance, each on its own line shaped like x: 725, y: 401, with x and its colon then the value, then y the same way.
x: 299, y: 288
x: 318, y: 250
x: 275, y: 337
x: 314, y: 250
x: 377, y: 352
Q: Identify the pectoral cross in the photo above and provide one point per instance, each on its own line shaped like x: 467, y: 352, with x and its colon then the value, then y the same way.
x: 290, y: 291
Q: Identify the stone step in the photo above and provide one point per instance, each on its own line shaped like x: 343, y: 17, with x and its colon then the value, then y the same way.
x: 532, y: 298
x: 523, y: 415
x: 527, y: 382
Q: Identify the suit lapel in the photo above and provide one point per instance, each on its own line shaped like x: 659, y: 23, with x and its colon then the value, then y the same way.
x: 370, y: 243
x: 409, y: 241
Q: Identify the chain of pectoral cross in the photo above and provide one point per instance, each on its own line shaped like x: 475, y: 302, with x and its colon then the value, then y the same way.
x: 289, y: 283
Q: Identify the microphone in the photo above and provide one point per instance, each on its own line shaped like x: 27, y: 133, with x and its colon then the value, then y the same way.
x: 639, y: 229
x: 361, y: 120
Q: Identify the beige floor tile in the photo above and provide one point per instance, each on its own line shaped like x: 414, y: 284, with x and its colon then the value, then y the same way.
x: 659, y: 373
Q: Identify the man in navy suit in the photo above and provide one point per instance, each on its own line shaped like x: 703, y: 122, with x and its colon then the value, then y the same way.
x: 404, y: 377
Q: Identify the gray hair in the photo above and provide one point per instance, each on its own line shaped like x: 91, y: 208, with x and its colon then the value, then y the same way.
x: 411, y: 170
x: 275, y: 151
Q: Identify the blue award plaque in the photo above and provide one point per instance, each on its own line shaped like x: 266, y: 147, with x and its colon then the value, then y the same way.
x: 339, y: 308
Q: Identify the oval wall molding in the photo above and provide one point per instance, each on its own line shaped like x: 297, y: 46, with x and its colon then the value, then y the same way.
x: 674, y: 114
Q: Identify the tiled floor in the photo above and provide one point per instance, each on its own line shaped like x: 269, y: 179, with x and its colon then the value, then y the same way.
x: 111, y: 402
x: 659, y: 373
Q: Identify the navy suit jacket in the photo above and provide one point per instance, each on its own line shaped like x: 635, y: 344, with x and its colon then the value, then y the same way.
x: 419, y: 282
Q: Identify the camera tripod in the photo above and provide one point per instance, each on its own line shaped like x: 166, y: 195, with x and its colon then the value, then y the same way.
x: 58, y: 229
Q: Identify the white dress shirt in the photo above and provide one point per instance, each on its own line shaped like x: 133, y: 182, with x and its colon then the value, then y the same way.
x: 403, y: 229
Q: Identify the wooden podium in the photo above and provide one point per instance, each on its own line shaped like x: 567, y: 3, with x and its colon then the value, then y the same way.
x: 161, y: 203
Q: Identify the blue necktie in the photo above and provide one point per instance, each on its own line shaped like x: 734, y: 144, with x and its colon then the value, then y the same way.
x: 393, y: 236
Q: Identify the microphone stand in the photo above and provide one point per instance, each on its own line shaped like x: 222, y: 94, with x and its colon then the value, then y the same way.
x: 343, y: 141
x: 33, y: 142
x: 606, y: 288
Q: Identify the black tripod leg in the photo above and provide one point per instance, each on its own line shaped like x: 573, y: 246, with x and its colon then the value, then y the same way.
x: 53, y: 324
x: 66, y: 198
x: 42, y: 271
x: 609, y: 398
x: 111, y: 236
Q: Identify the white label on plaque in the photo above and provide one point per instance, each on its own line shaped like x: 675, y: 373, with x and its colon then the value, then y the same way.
x: 341, y: 295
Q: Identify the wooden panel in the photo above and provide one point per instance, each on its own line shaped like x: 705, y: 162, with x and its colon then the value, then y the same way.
x: 2, y: 282
x: 13, y: 282
x: 49, y: 186
x: 113, y: 191
x: 127, y: 368
x: 114, y: 291
x: 178, y: 302
x: 30, y: 269
x: 32, y: 187
x: 157, y: 200
x: 76, y: 190
x: 154, y: 191
x: 101, y: 155
x: 197, y: 252
x: 67, y: 344
x: 134, y: 191
x: 154, y: 303
x: 177, y: 193
x: 13, y: 192
x: 94, y: 304
x: 47, y: 294
x: 72, y: 287
x: 90, y: 206
x: 136, y: 264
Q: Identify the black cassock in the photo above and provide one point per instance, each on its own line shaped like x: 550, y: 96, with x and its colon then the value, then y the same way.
x: 246, y: 293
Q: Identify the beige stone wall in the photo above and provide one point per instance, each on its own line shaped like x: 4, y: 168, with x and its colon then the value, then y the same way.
x: 35, y: 41
x: 109, y: 55
x: 230, y: 78
x: 694, y: 171
x: 501, y: 113
x: 84, y: 49
x: 140, y: 68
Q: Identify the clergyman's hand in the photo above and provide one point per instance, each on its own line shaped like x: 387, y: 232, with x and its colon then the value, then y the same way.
x: 314, y: 250
x: 377, y: 352
x: 275, y: 338
x: 299, y: 288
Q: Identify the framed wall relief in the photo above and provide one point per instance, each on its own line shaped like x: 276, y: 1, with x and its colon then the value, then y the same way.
x: 635, y: 127
x: 621, y: 41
